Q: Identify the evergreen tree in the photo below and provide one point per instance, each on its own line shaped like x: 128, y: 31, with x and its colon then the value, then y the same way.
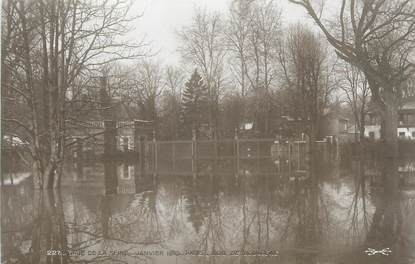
x: 194, y: 110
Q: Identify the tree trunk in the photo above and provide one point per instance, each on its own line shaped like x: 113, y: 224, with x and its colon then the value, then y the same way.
x: 38, y: 174
x: 47, y: 177
x: 362, y: 133
x: 389, y: 131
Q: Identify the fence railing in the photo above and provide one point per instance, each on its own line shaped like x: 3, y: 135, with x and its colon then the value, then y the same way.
x: 231, y: 155
x: 234, y: 154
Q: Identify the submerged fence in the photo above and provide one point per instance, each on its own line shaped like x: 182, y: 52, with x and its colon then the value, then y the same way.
x: 232, y: 155
x: 225, y: 155
x: 203, y: 155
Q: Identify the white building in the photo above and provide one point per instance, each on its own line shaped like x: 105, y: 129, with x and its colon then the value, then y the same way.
x: 406, y: 126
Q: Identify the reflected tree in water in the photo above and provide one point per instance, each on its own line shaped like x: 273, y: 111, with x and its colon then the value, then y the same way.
x: 37, y: 228
x: 205, y: 214
x: 358, y: 210
x: 386, y: 228
x: 308, y: 220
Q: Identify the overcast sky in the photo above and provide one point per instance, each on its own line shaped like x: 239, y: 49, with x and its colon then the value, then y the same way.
x: 163, y: 18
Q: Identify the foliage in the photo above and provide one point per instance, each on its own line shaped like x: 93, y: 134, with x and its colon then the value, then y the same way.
x: 194, y: 110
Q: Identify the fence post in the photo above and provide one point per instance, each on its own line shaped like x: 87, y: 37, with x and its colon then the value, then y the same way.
x: 299, y: 157
x: 279, y: 155
x: 330, y: 148
x: 142, y: 154
x: 257, y: 156
x: 276, y: 154
x: 337, y: 148
x: 236, y: 150
x: 137, y: 136
x: 289, y: 156
x: 173, y: 149
x: 216, y: 152
x: 194, y: 153
x: 155, y: 166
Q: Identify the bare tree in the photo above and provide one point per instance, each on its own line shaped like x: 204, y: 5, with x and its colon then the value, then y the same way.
x: 264, y: 29
x: 253, y: 37
x: 357, y: 93
x: 203, y: 45
x: 52, y: 45
x: 237, y: 34
x: 304, y: 63
x: 377, y: 37
x: 172, y: 97
x: 149, y: 85
x: 118, y: 78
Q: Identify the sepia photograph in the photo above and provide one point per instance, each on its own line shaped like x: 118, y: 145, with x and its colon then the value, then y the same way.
x: 207, y: 131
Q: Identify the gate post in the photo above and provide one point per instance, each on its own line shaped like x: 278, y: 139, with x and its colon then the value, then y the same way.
x: 136, y: 136
x: 110, y: 176
x: 139, y: 144
x: 155, y: 162
x: 289, y: 156
x: 236, y: 151
x: 173, y: 150
x: 110, y: 132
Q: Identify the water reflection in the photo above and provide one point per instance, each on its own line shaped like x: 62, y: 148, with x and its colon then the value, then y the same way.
x: 391, y: 221
x: 113, y: 212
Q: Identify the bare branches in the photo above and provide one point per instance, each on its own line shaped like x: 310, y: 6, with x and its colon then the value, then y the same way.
x: 355, y: 88
x: 149, y: 84
x: 382, y: 31
x: 203, y: 45
x: 52, y: 46
x: 381, y: 46
x: 305, y: 65
x: 253, y: 39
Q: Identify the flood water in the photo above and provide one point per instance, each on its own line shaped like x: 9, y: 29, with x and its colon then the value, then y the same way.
x: 121, y: 213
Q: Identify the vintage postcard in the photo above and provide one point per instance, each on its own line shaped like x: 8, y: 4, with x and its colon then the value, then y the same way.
x: 208, y: 131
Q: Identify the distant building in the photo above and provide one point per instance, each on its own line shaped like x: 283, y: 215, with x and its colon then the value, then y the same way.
x: 292, y: 127
x: 332, y: 124
x: 90, y: 120
x: 406, y: 125
x: 93, y: 122
x: 286, y: 126
x: 335, y: 125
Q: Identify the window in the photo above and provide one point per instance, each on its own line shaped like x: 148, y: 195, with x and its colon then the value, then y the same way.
x: 372, y: 135
x: 401, y: 134
x: 413, y: 134
x: 125, y: 172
